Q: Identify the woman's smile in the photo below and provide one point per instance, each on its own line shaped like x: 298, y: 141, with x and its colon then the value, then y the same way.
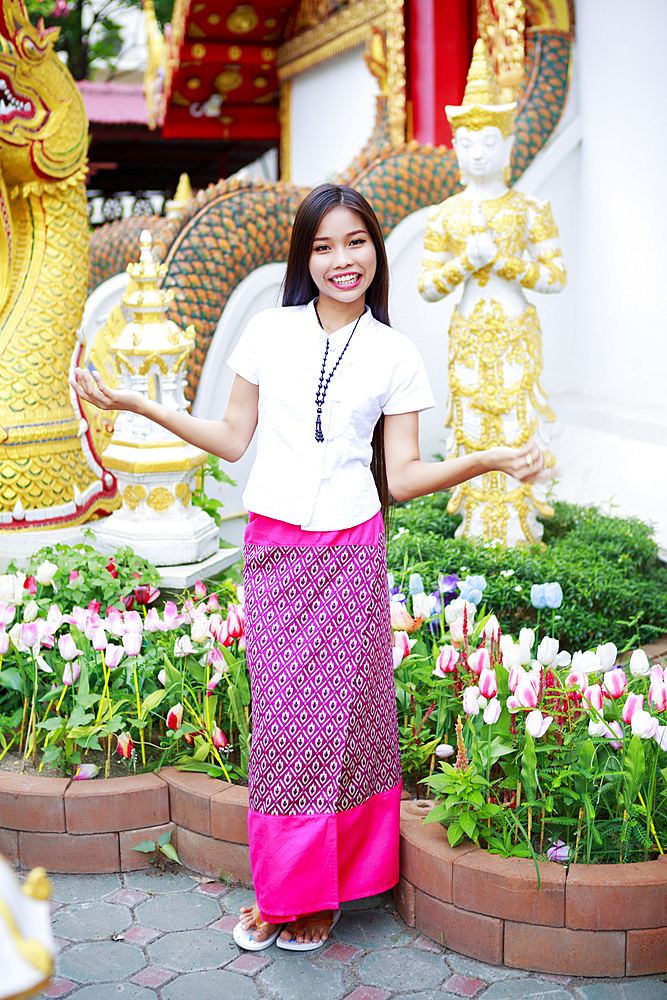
x: 343, y: 259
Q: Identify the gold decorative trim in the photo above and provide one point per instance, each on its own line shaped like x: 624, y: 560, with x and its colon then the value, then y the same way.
x: 344, y: 30
x: 396, y: 77
x: 156, y: 465
x: 160, y: 499
x: 285, y: 134
x: 348, y: 29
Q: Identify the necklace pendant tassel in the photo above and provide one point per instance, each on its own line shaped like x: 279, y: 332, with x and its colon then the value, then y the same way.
x: 319, y: 436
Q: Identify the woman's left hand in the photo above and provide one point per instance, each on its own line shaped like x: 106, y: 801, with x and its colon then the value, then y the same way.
x: 525, y: 463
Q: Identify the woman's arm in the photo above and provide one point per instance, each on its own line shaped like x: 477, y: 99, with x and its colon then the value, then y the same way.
x: 227, y: 438
x: 409, y: 477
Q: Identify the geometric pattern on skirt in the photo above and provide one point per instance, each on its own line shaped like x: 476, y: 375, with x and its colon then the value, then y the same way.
x: 318, y: 648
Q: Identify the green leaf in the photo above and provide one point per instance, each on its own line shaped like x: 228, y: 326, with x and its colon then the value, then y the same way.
x: 202, y: 751
x: 170, y: 851
x: 146, y: 846
x: 468, y: 825
x: 455, y: 833
x: 164, y: 838
x: 528, y: 768
x: 10, y: 678
x: 151, y: 702
x: 635, y: 767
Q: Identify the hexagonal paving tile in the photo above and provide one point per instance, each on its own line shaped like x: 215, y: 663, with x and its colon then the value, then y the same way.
x: 213, y: 985
x: 233, y: 901
x: 114, y: 991
x: 102, y: 962
x: 91, y: 921
x: 178, y: 911
x: 535, y: 989
x: 294, y: 977
x: 153, y: 880
x: 370, y: 929
x: 403, y: 969
x: 192, y: 951
x: 77, y: 888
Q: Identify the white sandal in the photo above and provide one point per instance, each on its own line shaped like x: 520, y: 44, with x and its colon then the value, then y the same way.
x: 301, y: 924
x: 243, y: 936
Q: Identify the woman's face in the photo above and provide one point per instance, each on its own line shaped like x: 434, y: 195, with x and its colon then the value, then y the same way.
x: 343, y: 260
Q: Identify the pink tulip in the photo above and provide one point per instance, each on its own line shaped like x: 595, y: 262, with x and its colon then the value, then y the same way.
x: 213, y: 603
x: 77, y: 618
x: 200, y: 590
x: 516, y: 672
x: 657, y: 696
x: 132, y: 643
x: 115, y: 623
x: 4, y: 640
x: 470, y: 701
x: 610, y: 731
x: 235, y: 621
x: 74, y: 575
x: 218, y: 738
x: 402, y: 643
x: 189, y: 611
x: 71, y: 673
x: 593, y: 698
x: 215, y: 624
x: 125, y: 745
x: 153, y: 622
x: 401, y: 619
x: 99, y: 638
x: 54, y: 619
x: 30, y: 634
x: 215, y: 680
x: 488, y: 683
x: 614, y: 683
x: 644, y: 725
x: 397, y: 657
x: 183, y: 646
x: 447, y: 659
x: 492, y: 712
x: 216, y: 659
x: 479, y: 660
x: 661, y: 737
x: 633, y: 703
x: 85, y: 771
x: 525, y: 693
x: 537, y: 724
x: 67, y: 647
x: 133, y: 622
x: 175, y: 716
x: 172, y: 619
x: 558, y: 851
x: 512, y: 704
x: 113, y: 655
x: 7, y: 613
x: 30, y: 584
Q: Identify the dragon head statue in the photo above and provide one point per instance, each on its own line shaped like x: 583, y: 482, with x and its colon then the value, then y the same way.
x: 43, y: 125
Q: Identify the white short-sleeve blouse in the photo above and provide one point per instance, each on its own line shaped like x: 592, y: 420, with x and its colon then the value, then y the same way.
x: 322, y: 486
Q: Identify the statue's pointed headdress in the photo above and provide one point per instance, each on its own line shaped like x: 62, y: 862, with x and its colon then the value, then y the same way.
x: 481, y: 101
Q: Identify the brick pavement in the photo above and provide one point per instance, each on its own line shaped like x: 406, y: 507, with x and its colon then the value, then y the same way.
x: 154, y: 935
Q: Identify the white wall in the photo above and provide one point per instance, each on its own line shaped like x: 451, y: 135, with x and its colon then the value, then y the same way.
x: 332, y: 117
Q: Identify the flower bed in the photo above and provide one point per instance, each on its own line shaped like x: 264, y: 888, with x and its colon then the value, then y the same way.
x: 473, y: 902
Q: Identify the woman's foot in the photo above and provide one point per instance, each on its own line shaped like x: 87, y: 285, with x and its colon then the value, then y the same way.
x: 251, y: 921
x: 311, y: 928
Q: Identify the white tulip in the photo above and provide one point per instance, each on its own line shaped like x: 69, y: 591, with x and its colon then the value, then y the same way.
x: 607, y: 654
x: 30, y: 611
x: 45, y: 573
x: 639, y: 664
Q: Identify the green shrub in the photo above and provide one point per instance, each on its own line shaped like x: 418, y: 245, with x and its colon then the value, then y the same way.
x: 614, y: 585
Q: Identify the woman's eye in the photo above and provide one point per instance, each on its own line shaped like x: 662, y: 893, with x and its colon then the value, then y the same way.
x: 322, y: 246
x: 358, y: 242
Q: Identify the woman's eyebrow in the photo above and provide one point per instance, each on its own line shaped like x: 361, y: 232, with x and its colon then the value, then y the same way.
x: 354, y: 232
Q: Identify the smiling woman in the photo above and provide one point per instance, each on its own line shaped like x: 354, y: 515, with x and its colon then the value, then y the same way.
x: 324, y: 771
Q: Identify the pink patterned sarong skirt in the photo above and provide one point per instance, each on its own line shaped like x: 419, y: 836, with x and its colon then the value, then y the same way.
x: 325, y: 770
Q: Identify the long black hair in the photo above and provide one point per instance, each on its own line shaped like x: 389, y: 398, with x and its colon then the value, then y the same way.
x: 299, y: 287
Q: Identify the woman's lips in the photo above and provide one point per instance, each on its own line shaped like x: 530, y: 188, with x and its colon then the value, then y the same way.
x: 345, y: 281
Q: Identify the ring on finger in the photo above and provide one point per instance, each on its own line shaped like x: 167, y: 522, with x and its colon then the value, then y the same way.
x: 529, y: 460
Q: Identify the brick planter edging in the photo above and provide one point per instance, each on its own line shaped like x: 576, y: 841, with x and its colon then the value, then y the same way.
x: 597, y: 920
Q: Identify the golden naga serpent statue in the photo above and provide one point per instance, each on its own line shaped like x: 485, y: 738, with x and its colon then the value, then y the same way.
x: 50, y: 475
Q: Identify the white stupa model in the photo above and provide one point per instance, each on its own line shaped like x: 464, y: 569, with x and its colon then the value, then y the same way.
x: 27, y: 947
x: 155, y: 469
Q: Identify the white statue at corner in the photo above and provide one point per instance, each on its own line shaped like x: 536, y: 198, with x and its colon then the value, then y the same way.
x: 498, y: 242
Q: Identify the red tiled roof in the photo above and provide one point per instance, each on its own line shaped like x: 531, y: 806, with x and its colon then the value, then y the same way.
x: 114, y: 103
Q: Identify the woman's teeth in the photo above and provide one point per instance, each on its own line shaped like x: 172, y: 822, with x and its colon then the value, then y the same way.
x: 346, y: 279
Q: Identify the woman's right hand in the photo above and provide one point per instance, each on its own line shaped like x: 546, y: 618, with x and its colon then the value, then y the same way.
x: 91, y: 388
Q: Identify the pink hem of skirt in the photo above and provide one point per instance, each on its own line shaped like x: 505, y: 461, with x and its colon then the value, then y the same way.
x: 295, y: 858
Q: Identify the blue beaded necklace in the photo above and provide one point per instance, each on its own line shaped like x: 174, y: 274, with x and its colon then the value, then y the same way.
x: 323, y: 385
